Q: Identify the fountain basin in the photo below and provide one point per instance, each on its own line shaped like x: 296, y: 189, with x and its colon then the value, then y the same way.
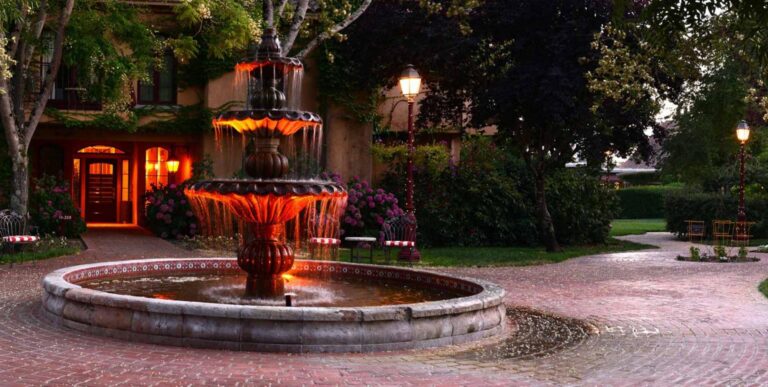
x: 479, y: 314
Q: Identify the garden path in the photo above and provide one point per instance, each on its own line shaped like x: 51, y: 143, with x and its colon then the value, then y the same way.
x: 660, y: 322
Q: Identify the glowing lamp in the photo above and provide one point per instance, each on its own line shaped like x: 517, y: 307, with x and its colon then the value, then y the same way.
x: 742, y: 131
x: 410, y: 82
x: 150, y: 166
x: 172, y: 164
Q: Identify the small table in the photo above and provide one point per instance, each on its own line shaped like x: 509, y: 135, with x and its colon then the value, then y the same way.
x: 361, y: 242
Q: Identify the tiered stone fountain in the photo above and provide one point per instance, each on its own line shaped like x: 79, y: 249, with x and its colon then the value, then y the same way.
x: 339, y: 306
x: 267, y: 201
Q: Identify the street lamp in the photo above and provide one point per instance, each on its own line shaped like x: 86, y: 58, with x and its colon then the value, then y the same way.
x: 742, y: 133
x: 410, y: 83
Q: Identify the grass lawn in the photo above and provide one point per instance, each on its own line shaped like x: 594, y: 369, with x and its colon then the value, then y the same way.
x: 46, y: 248
x: 503, y: 256
x: 764, y: 287
x: 621, y: 227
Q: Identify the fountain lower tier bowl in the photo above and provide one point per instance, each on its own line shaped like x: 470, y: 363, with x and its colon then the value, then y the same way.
x: 349, y: 307
x: 267, y: 201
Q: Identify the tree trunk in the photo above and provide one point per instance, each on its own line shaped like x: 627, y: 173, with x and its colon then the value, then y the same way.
x: 20, y: 194
x: 546, y: 227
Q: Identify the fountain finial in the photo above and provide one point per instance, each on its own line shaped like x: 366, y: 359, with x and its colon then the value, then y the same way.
x: 270, y: 44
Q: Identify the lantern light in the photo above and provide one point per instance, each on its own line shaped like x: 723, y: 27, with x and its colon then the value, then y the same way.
x: 172, y: 164
x: 410, y: 82
x: 742, y: 131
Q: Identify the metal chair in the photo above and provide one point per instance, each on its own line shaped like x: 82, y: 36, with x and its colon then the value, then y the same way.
x: 323, y: 237
x: 398, y: 232
x: 696, y: 230
x: 742, y: 233
x: 14, y: 231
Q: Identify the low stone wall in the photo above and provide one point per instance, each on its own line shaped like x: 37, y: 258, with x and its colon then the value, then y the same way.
x: 480, y: 314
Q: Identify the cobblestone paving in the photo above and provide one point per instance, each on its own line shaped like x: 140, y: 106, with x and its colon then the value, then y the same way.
x: 654, y: 321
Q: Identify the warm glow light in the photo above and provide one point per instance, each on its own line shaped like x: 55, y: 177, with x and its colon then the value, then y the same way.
x: 247, y: 67
x: 284, y: 126
x: 172, y: 164
x: 150, y: 166
x: 266, y: 209
x: 410, y: 82
x: 742, y: 131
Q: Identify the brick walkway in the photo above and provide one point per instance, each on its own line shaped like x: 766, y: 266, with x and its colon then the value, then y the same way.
x: 660, y: 322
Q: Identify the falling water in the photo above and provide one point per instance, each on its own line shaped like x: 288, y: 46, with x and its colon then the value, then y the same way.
x: 300, y: 214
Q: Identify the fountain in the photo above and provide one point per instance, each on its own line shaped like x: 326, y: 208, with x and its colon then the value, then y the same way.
x: 267, y: 201
x: 266, y: 300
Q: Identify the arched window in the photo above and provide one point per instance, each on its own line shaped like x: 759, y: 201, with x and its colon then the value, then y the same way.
x: 155, y: 167
x: 102, y: 149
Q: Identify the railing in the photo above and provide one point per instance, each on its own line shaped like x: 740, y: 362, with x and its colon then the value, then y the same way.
x: 72, y: 101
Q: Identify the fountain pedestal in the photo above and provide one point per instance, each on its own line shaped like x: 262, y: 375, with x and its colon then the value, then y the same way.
x: 265, y: 258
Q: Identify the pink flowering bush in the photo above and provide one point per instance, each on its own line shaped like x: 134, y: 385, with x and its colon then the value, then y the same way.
x: 367, y: 209
x: 52, y: 210
x: 169, y: 214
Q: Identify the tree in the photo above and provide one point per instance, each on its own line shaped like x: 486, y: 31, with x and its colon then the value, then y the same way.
x: 726, y: 44
x: 553, y: 76
x: 92, y: 38
x: 20, y: 36
x: 536, y: 72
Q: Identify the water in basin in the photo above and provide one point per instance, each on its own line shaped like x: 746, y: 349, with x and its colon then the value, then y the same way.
x: 307, y: 290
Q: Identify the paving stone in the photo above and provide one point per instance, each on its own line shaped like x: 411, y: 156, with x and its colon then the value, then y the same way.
x: 654, y: 320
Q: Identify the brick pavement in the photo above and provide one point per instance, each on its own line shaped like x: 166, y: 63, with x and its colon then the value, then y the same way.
x: 660, y: 322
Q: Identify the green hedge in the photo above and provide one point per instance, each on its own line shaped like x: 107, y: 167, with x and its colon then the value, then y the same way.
x: 643, y: 202
x: 487, y: 199
x: 641, y: 179
x: 691, y: 205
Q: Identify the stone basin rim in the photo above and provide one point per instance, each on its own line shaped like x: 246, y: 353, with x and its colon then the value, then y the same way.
x: 56, y: 284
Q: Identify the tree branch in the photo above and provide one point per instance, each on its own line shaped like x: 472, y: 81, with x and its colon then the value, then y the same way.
x: 298, y: 20
x: 45, y: 93
x: 269, y: 13
x: 16, y: 34
x: 37, y: 31
x: 281, y: 8
x: 6, y: 113
x: 334, y: 30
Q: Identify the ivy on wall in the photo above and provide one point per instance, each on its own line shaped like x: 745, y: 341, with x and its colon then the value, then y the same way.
x: 190, y: 119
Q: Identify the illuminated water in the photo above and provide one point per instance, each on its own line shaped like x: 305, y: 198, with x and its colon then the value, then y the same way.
x: 309, y: 291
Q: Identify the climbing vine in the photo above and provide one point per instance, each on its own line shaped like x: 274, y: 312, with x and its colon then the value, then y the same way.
x: 178, y: 119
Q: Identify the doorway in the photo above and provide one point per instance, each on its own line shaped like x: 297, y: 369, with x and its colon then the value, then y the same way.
x: 101, y: 190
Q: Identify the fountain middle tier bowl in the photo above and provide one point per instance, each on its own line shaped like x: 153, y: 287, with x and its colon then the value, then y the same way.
x: 268, y: 122
x: 267, y: 201
x: 351, y: 307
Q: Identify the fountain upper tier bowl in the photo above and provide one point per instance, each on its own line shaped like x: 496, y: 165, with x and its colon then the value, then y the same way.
x: 267, y: 122
x: 475, y: 310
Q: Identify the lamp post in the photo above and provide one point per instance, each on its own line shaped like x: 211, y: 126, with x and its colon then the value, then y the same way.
x: 410, y: 83
x: 742, y: 133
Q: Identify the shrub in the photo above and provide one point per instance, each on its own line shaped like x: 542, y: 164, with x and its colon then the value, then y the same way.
x: 643, y: 201
x: 367, y: 209
x: 169, y: 214
x: 581, y: 207
x: 640, y: 179
x: 52, y: 210
x: 487, y: 199
x: 685, y: 205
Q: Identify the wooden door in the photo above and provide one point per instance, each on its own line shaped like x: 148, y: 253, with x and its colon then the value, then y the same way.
x: 101, y: 190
